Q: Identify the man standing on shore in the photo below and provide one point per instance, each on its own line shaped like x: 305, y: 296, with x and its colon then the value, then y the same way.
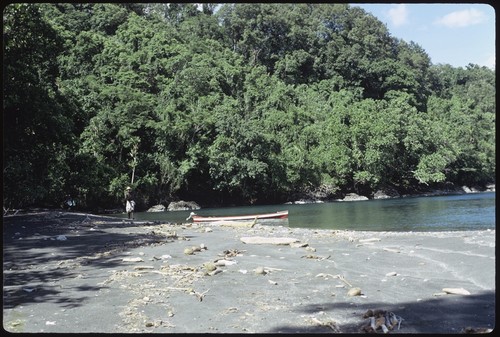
x: 129, y: 202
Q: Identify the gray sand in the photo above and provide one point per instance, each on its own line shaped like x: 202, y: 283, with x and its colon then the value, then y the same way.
x: 113, y: 276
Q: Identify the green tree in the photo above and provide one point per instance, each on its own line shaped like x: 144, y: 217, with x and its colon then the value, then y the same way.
x: 38, y: 119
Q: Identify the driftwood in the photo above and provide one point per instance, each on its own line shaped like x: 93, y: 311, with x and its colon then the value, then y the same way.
x: 456, y: 291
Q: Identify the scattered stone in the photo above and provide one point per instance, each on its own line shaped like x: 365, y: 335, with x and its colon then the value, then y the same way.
x: 392, y: 273
x: 381, y: 319
x: 209, y: 266
x: 143, y: 267
x: 354, y: 197
x: 156, y: 208
x: 469, y: 330
x: 260, y: 271
x: 386, y: 194
x: 354, y: 292
x: 231, y: 253
x: 182, y: 206
x: 188, y: 251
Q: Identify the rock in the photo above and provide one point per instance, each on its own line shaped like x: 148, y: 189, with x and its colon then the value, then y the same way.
x: 156, y: 208
x: 354, y: 292
x: 260, y: 271
x: 209, y: 266
x: 182, y: 206
x: 466, y: 189
x: 386, y: 194
x: 354, y: 197
x: 305, y: 201
x: 471, y: 330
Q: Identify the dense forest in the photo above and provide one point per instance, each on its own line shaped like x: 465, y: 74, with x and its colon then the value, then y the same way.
x: 230, y: 104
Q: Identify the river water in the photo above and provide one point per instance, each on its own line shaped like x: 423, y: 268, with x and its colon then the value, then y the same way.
x: 475, y: 211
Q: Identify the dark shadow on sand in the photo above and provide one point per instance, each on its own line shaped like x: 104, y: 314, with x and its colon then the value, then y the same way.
x: 447, y: 314
x: 34, y: 260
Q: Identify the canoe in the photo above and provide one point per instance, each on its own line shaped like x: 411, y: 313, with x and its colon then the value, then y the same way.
x: 276, y: 215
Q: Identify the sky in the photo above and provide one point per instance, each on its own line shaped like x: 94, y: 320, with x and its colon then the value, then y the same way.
x: 450, y: 33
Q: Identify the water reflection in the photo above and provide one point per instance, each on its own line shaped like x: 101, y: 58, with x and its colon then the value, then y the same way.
x: 441, y: 213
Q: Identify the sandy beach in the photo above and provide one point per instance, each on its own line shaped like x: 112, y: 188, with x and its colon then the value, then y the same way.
x: 81, y: 273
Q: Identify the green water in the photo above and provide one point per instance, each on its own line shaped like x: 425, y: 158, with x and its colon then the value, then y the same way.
x: 437, y: 213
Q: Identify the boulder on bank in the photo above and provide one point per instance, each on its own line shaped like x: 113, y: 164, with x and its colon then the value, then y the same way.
x: 386, y: 194
x: 156, y: 208
x: 354, y: 197
x: 302, y: 202
x: 182, y: 206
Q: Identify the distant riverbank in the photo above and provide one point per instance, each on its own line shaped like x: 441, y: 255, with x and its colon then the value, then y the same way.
x: 299, y: 199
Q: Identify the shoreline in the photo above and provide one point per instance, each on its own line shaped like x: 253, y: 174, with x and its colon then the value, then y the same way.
x: 300, y: 201
x: 115, y: 276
